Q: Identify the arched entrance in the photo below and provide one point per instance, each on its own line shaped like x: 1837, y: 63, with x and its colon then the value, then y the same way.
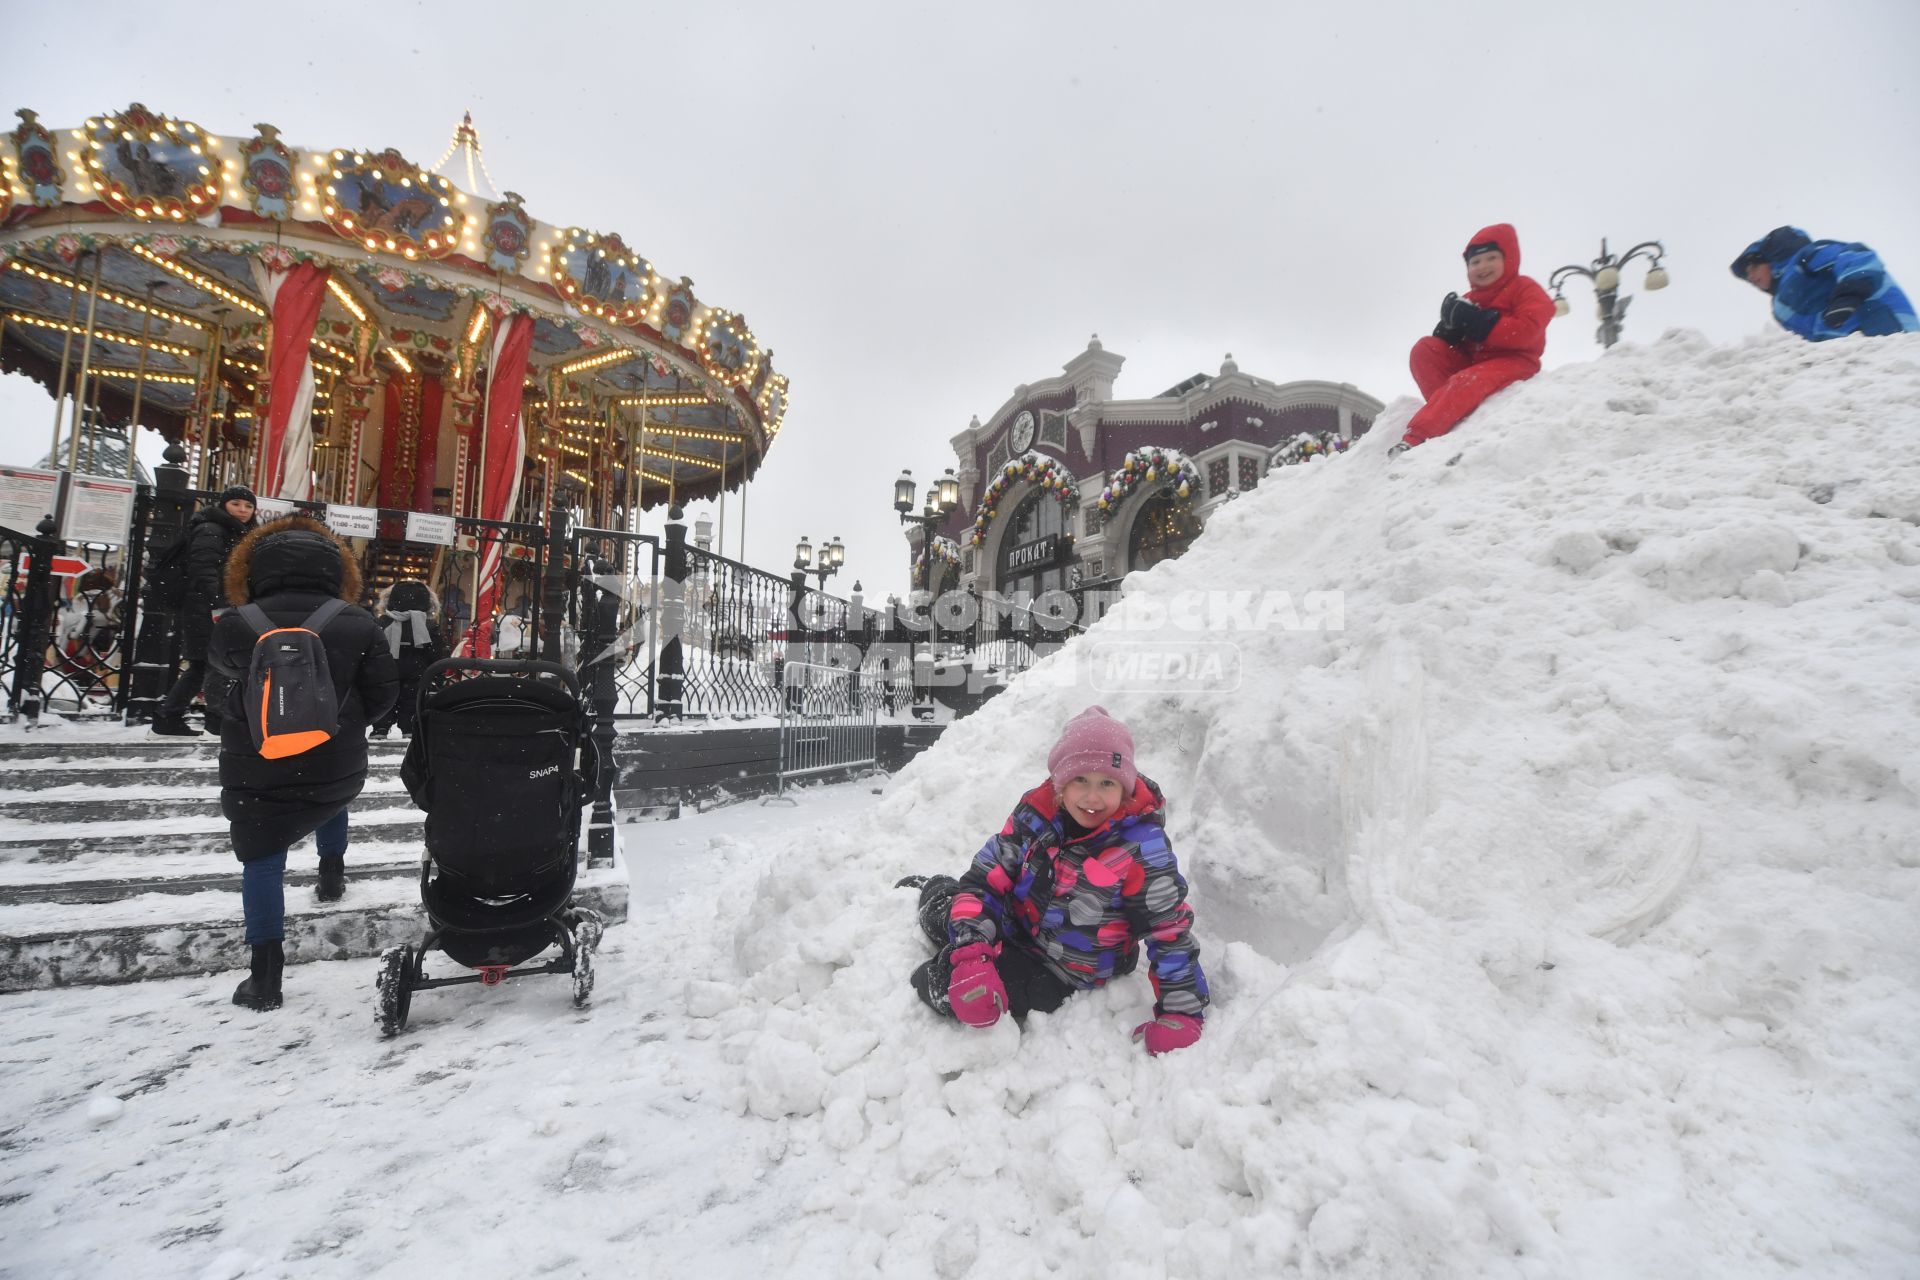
x: 1163, y: 530
x: 1027, y: 563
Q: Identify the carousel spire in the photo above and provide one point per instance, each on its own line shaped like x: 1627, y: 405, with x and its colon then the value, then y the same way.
x: 466, y: 147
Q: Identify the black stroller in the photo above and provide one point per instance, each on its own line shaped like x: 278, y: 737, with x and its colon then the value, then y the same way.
x: 502, y: 765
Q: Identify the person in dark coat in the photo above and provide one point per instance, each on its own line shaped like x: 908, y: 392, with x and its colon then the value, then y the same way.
x: 290, y: 567
x: 1825, y: 289
x: 212, y: 535
x: 411, y: 621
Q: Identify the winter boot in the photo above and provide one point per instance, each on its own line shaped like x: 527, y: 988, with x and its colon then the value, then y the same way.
x: 261, y: 989
x: 936, y: 900
x: 174, y: 726
x: 333, y: 879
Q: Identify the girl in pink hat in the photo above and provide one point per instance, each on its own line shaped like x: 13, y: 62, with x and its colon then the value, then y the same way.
x: 1061, y: 900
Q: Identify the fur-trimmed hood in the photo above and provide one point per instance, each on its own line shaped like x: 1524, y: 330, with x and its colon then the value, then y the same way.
x: 292, y: 553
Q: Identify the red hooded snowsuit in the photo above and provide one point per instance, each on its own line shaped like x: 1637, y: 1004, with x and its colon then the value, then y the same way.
x: 1455, y: 380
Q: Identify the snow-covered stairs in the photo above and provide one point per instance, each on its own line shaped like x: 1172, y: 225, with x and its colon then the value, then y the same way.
x: 115, y: 866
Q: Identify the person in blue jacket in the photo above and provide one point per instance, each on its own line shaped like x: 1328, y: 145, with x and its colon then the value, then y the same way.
x: 1825, y: 288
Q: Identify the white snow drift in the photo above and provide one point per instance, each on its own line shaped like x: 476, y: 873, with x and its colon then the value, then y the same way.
x: 1559, y: 910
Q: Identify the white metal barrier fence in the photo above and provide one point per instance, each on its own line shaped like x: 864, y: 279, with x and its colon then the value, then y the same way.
x: 829, y: 719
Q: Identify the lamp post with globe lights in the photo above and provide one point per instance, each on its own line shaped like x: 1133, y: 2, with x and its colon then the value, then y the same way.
x: 1604, y: 272
x: 943, y: 495
x: 832, y: 555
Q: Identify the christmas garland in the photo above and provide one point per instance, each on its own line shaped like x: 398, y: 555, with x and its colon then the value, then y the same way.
x: 1041, y: 470
x: 1306, y: 446
x: 945, y: 550
x: 1168, y: 468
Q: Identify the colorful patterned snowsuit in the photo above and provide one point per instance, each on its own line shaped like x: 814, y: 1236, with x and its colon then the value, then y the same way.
x: 1082, y: 908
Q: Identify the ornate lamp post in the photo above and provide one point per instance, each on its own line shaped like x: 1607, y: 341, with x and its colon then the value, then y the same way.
x: 943, y: 495
x: 1604, y: 272
x: 832, y: 556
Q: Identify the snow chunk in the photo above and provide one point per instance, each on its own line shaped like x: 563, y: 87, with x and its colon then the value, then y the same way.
x: 1716, y: 561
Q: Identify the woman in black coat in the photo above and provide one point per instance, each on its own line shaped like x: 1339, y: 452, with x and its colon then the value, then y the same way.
x: 212, y: 535
x: 290, y: 567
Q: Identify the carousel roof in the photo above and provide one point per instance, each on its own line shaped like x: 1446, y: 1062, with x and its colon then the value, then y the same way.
x: 155, y: 226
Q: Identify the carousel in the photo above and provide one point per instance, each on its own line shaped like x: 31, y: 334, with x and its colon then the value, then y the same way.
x: 349, y: 327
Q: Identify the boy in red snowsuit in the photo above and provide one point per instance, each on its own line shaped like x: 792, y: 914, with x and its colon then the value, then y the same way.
x: 1487, y: 340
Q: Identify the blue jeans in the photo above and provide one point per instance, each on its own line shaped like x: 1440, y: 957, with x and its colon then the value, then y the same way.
x: 263, y: 890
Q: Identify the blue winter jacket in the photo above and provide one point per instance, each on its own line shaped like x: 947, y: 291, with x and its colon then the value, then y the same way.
x: 1811, y: 276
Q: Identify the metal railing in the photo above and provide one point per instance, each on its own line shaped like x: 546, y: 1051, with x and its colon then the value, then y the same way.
x: 829, y: 721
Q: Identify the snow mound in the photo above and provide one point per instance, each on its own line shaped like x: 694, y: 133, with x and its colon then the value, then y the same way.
x: 1558, y: 907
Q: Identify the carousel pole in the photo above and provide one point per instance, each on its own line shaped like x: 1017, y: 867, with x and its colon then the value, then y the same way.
x: 721, y: 541
x: 86, y: 362
x: 640, y: 471
x: 606, y: 464
x: 216, y: 348
x: 743, y: 516
x: 60, y: 383
x: 632, y: 494
x: 139, y: 384
x: 93, y: 424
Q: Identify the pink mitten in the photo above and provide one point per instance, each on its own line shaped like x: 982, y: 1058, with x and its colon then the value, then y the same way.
x: 974, y: 989
x: 1168, y: 1032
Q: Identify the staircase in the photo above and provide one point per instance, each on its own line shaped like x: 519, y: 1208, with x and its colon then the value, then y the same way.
x: 115, y: 864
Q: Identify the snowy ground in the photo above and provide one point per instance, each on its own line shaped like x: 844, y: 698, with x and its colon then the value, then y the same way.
x: 1559, y: 911
x: 156, y: 1130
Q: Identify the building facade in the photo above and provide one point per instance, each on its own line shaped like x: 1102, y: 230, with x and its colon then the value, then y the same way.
x: 1064, y: 486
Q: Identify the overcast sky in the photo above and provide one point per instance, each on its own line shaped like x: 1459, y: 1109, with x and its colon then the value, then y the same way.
x: 919, y: 207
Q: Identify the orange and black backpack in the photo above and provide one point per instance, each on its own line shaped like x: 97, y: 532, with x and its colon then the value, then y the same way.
x: 289, y: 699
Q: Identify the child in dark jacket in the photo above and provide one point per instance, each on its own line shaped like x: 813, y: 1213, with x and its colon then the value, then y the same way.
x: 290, y: 567
x: 1060, y: 901
x: 410, y: 618
x: 1486, y: 341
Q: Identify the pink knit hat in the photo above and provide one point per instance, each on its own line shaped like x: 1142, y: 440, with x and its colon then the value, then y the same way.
x: 1093, y: 742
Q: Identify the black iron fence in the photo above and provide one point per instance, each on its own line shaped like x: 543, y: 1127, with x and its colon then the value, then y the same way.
x: 658, y: 629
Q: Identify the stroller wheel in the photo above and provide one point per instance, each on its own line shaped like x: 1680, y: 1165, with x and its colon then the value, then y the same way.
x: 582, y: 973
x: 394, y: 989
x: 588, y: 929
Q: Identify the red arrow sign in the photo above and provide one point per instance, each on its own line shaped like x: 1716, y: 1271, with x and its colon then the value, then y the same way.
x: 63, y: 566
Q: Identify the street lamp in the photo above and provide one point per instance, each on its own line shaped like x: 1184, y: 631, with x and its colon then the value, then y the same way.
x: 1604, y: 271
x: 832, y: 555
x: 943, y: 495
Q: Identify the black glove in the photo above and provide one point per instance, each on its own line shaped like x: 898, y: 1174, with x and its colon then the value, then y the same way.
x: 1840, y: 309
x: 1447, y: 331
x: 1474, y: 323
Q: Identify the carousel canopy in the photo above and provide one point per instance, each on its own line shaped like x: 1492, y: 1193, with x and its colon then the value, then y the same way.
x: 159, y: 231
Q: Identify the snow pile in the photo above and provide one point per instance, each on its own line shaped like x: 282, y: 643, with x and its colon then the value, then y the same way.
x: 1559, y: 909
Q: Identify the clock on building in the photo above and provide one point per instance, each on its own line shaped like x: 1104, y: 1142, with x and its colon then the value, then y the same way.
x: 1021, y: 437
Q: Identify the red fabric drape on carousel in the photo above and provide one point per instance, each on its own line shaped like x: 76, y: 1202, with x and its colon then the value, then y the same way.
x: 283, y: 464
x: 506, y: 449
x: 427, y: 460
x: 396, y: 442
